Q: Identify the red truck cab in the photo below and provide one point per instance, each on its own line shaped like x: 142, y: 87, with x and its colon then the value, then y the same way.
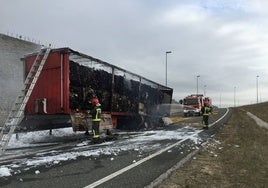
x: 192, y: 104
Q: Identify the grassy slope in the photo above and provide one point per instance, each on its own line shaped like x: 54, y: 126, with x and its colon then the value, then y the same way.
x: 260, y: 110
x: 236, y: 158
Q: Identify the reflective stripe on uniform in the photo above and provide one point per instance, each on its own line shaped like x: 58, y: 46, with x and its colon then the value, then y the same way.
x: 95, y: 135
x: 206, y: 111
x: 97, y: 116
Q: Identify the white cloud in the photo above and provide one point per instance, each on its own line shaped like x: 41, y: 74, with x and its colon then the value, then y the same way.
x: 185, y: 14
x: 225, y: 42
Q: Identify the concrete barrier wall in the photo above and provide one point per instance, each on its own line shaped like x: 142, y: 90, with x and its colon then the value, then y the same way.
x: 11, y: 69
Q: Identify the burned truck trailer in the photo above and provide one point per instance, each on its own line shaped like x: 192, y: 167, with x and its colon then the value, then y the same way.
x: 69, y: 79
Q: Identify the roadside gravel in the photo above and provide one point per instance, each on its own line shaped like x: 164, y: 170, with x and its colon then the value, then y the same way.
x: 237, y: 157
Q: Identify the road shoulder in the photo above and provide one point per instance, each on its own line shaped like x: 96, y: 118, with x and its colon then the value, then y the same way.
x: 236, y: 157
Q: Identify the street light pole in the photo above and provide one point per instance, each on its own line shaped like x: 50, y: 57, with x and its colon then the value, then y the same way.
x: 205, y: 86
x: 257, y: 86
x: 220, y: 100
x: 234, y: 95
x: 168, y: 52
x: 197, y: 83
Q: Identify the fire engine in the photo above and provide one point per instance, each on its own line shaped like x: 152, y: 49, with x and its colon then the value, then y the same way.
x: 192, y: 104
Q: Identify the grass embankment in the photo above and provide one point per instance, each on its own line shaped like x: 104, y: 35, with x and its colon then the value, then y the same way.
x: 238, y: 156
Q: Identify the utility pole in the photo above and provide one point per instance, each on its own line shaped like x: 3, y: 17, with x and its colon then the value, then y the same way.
x: 220, y: 100
x: 205, y: 86
x: 257, y: 87
x: 234, y: 95
x: 197, y: 83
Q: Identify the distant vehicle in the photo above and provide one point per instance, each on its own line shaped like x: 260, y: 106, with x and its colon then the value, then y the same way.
x: 192, y: 104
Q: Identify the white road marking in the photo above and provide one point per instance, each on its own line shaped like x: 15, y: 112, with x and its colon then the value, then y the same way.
x: 227, y: 111
x: 111, y: 176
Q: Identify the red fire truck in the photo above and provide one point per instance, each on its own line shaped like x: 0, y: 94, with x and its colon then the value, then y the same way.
x: 192, y: 104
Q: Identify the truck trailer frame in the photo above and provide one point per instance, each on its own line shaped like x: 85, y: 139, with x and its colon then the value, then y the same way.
x: 69, y: 79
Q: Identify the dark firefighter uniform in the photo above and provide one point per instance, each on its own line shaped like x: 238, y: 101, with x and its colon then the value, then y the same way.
x: 206, y: 110
x: 96, y: 118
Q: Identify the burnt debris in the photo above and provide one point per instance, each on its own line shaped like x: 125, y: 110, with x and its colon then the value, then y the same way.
x: 115, y: 92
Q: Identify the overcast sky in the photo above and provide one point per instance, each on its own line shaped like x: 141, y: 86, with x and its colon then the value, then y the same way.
x: 223, y: 41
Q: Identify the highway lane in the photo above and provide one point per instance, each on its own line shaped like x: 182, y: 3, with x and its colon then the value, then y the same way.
x: 163, y: 160
x: 90, y: 171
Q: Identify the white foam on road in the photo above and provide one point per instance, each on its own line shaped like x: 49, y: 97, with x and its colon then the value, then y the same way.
x: 190, y: 135
x: 138, y: 141
x: 111, y: 176
x: 141, y: 142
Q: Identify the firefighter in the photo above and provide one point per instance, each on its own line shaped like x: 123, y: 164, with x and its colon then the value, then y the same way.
x: 96, y: 118
x: 206, y: 110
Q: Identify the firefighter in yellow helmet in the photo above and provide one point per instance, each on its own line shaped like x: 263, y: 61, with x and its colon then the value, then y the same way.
x: 206, y: 111
x: 96, y: 118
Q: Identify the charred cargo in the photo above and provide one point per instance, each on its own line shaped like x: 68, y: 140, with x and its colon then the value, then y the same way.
x: 69, y: 79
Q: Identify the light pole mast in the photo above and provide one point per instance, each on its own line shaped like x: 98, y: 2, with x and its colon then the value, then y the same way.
x: 168, y: 52
x: 197, y: 83
x: 257, y: 87
x: 220, y: 100
x: 234, y: 95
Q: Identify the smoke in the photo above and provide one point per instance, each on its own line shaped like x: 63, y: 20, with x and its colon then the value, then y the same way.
x: 165, y: 110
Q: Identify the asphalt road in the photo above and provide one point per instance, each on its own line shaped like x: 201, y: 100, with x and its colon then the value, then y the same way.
x: 129, y: 169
